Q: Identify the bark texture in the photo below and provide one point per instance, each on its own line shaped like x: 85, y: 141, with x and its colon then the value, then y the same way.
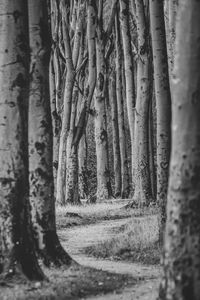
x: 41, y: 139
x: 82, y: 167
x: 101, y: 137
x: 181, y: 268
x: 17, y: 252
x: 142, y: 193
x: 129, y: 71
x: 163, y: 105
x: 67, y: 104
x: 115, y: 131
x: 125, y: 190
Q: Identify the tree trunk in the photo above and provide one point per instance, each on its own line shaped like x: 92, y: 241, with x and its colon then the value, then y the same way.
x: 68, y: 91
x: 17, y: 250
x: 72, y: 192
x: 83, y: 170
x: 142, y: 194
x: 152, y: 153
x: 129, y: 70
x: 90, y: 86
x: 115, y: 132
x: 163, y: 105
x: 41, y: 139
x: 55, y: 83
x: 103, y: 173
x: 125, y: 190
x: 181, y: 268
x: 173, y: 4
x: 56, y: 122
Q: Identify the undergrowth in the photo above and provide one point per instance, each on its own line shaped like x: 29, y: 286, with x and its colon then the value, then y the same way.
x: 136, y: 241
x: 70, y: 215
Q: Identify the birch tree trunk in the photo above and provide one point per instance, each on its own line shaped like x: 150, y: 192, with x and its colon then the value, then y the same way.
x: 163, y: 105
x: 142, y: 193
x: 181, y: 267
x: 125, y: 190
x: 129, y: 71
x: 17, y: 250
x: 115, y: 131
x: 41, y: 139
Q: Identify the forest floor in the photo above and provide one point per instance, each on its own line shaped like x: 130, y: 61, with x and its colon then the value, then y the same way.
x: 117, y: 252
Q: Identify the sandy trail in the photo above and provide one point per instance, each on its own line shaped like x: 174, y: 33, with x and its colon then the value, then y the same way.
x: 77, y: 238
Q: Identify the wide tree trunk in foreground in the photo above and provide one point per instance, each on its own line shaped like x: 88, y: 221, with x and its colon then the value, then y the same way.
x: 125, y: 189
x: 163, y: 104
x: 17, y: 253
x: 129, y: 71
x: 181, y: 268
x: 142, y: 193
x: 41, y: 139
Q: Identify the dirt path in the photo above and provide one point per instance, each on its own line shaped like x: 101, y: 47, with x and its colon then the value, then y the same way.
x: 76, y: 239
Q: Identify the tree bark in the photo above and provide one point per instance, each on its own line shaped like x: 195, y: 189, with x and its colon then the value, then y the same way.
x: 68, y: 91
x: 173, y: 4
x: 115, y: 132
x: 101, y: 138
x: 125, y: 190
x: 17, y: 250
x: 129, y: 70
x: 55, y: 86
x: 41, y: 139
x: 142, y: 193
x: 83, y: 170
x: 163, y: 105
x: 181, y: 267
x: 72, y: 192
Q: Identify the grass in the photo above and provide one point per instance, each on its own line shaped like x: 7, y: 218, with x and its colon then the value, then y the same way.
x: 137, y: 241
x: 70, y: 215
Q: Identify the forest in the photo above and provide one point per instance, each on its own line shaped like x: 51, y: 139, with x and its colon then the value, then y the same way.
x: 100, y: 149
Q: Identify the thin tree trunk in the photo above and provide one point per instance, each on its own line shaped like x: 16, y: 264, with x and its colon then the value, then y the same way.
x: 129, y: 70
x: 72, y: 194
x: 142, y: 193
x: 163, y: 105
x: 90, y: 86
x: 41, y: 140
x: 83, y: 170
x: 115, y: 132
x: 125, y: 190
x: 54, y: 82
x: 181, y: 279
x: 172, y: 10
x: 17, y: 250
x: 56, y: 122
x: 68, y: 91
x: 101, y: 137
x: 152, y: 154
